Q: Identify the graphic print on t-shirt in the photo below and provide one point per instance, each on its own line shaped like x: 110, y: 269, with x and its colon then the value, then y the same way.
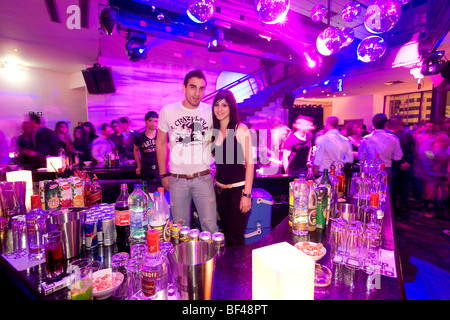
x: 189, y: 130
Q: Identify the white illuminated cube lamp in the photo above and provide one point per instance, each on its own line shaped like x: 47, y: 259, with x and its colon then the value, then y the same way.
x: 282, y: 272
x: 54, y: 163
x: 23, y: 175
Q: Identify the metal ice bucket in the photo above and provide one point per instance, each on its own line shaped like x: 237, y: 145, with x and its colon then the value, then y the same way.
x: 349, y: 212
x: 192, y: 264
x: 69, y: 223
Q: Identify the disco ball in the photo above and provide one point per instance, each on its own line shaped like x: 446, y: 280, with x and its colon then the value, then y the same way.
x: 329, y: 41
x: 382, y: 16
x: 348, y: 36
x: 200, y: 11
x: 371, y: 49
x: 351, y: 11
x: 318, y: 12
x: 272, y: 11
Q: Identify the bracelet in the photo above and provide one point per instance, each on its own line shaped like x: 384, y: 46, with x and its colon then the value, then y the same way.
x: 164, y: 175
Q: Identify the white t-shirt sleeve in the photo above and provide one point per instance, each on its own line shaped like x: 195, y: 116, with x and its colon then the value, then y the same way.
x: 162, y: 121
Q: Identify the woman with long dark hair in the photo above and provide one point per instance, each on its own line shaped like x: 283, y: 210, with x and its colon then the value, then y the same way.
x: 234, y: 167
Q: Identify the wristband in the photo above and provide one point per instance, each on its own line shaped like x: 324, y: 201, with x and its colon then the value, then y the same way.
x: 164, y: 175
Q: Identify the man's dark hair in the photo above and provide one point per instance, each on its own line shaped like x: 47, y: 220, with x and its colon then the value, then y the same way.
x: 379, y: 120
x: 151, y: 114
x: 104, y: 126
x: 123, y: 120
x: 35, y: 118
x: 194, y: 74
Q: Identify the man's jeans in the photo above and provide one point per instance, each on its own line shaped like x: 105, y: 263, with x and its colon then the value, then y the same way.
x: 201, y: 189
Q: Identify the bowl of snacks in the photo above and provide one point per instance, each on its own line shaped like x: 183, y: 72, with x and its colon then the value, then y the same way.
x: 104, y: 282
x: 312, y: 249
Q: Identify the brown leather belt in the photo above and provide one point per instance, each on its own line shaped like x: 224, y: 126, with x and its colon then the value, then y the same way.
x: 191, y: 175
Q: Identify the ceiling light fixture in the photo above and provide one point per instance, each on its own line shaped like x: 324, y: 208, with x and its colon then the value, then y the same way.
x: 432, y: 63
x: 135, y: 46
x: 217, y: 42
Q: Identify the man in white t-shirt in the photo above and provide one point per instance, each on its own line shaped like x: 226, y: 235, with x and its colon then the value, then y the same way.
x: 186, y: 125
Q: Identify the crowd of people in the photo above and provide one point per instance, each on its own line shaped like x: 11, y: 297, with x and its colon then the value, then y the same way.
x: 417, y: 160
x: 180, y: 143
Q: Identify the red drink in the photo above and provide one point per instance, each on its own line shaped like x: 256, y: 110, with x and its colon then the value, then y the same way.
x: 54, y: 259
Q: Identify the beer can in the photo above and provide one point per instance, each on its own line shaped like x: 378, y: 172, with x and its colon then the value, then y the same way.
x: 184, y: 231
x: 205, y: 236
x: 109, y: 228
x: 218, y: 239
x: 175, y: 231
x: 90, y: 234
x: 193, y: 234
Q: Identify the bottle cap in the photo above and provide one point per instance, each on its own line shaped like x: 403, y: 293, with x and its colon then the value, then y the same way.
x: 152, y: 241
x: 35, y: 201
x: 156, y: 194
x: 161, y: 190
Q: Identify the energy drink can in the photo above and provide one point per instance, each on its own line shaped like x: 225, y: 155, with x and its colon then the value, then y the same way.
x: 108, y: 230
x: 193, y: 234
x: 99, y: 218
x: 218, y: 240
x: 90, y: 234
x: 205, y: 236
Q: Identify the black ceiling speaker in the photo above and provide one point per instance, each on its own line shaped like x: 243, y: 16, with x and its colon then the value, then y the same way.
x: 108, y: 21
x: 99, y: 79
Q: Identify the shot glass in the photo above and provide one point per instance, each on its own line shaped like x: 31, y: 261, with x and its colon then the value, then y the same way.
x: 134, y: 285
x: 353, y: 246
x: 54, y: 254
x: 337, y: 241
x: 370, y: 250
x: 19, y: 233
x: 119, y: 263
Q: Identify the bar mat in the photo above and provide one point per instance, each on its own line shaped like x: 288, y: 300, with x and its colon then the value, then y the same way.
x: 20, y: 261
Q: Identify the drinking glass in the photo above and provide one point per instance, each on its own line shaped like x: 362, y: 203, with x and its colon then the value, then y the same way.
x: 370, y: 250
x: 353, y: 246
x: 134, y: 284
x: 80, y: 272
x: 119, y: 263
x: 138, y: 251
x: 19, y: 232
x: 337, y: 241
x: 166, y: 248
x: 54, y: 255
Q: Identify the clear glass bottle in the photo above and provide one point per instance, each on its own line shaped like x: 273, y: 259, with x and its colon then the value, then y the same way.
x: 137, y: 202
x: 325, y: 182
x: 36, y: 228
x: 383, y: 178
x: 300, y: 215
x: 310, y: 174
x: 154, y: 271
x: 122, y: 218
x: 312, y: 207
x: 157, y: 216
x: 340, y: 175
x: 334, y: 185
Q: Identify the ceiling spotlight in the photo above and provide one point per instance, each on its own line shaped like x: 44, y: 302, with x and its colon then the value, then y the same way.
x: 432, y: 63
x: 135, y: 46
x: 108, y: 21
x: 217, y: 42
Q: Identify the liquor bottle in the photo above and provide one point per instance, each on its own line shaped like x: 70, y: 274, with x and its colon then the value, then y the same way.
x: 167, y: 215
x: 137, y: 202
x: 322, y: 202
x: 149, y: 197
x: 112, y: 159
x: 291, y: 200
x: 310, y: 174
x: 325, y: 182
x: 96, y: 196
x: 154, y: 271
x: 36, y: 228
x: 300, y: 215
x: 383, y: 177
x: 157, y: 216
x: 334, y: 185
x: 312, y: 207
x: 117, y: 158
x: 106, y: 160
x: 341, y: 178
x: 122, y: 219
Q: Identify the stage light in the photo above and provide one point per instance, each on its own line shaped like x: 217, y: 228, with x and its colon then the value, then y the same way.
x: 135, y: 46
x: 217, y: 42
x: 337, y: 85
x: 432, y: 63
x: 108, y: 21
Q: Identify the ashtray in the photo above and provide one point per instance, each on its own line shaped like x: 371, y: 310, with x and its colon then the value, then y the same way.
x: 322, y: 276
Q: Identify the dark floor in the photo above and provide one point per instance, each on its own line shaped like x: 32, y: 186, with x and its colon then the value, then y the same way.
x: 424, y: 249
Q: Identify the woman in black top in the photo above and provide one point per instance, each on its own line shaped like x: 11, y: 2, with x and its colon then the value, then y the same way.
x: 234, y: 168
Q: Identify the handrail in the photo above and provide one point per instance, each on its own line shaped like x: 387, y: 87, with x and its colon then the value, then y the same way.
x: 235, y: 83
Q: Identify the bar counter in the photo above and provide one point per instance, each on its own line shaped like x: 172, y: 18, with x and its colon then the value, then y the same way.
x: 233, y: 274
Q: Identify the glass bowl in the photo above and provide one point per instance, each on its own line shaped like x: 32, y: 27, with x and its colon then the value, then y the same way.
x: 322, y: 276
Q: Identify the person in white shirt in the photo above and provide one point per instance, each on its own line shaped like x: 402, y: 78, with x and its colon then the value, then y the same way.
x: 331, y: 147
x: 386, y: 145
x: 187, y: 125
x: 102, y: 145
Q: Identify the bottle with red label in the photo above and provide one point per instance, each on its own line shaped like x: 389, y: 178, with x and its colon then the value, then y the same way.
x: 122, y: 219
x: 154, y: 271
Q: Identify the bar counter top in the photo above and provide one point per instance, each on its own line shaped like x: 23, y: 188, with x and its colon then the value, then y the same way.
x: 233, y: 274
